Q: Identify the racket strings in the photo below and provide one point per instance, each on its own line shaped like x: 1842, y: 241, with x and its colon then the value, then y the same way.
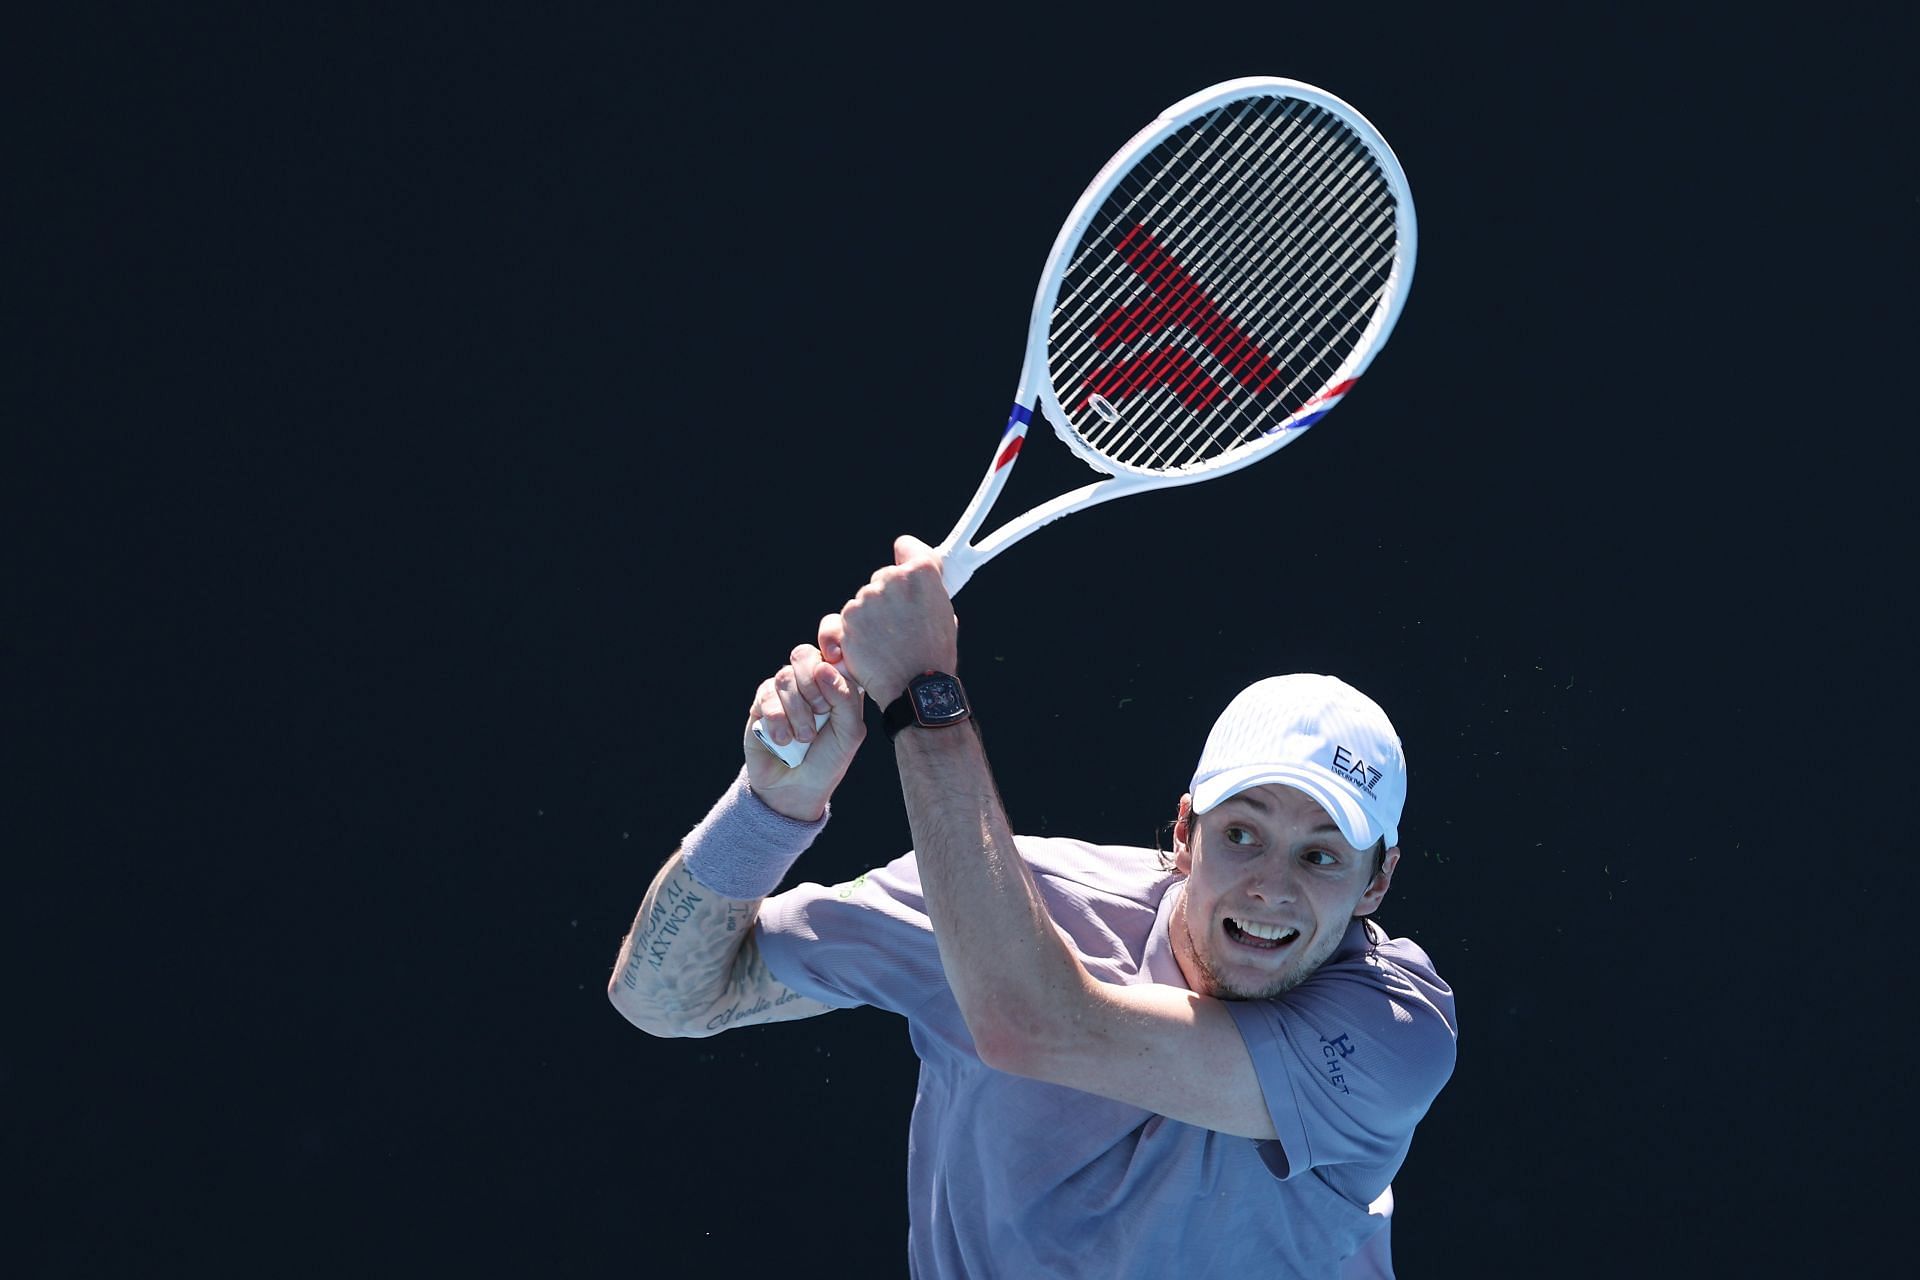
x: 1174, y: 217
x: 1141, y: 201
x: 1222, y: 284
x: 1332, y: 175
x: 1329, y: 170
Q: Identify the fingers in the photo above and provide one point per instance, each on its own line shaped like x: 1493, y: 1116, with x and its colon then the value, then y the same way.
x: 832, y: 639
x: 907, y: 548
x: 916, y: 566
x: 844, y: 707
x: 896, y: 610
x: 788, y: 702
x: 808, y: 697
x: 770, y: 712
x: 900, y: 623
x: 806, y: 706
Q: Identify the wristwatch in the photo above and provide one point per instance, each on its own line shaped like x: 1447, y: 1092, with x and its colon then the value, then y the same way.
x: 933, y: 700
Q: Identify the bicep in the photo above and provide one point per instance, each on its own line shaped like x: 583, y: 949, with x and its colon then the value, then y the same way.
x: 1159, y: 1048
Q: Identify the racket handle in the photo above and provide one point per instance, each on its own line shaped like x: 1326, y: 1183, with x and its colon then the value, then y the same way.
x: 794, y: 752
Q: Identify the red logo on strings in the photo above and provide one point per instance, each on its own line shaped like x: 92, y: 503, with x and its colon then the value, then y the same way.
x: 1174, y: 300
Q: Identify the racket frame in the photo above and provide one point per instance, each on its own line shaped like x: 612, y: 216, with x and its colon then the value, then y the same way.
x: 960, y: 556
x: 1035, y: 393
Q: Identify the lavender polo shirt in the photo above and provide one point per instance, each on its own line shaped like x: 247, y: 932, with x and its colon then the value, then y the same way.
x: 1013, y: 1177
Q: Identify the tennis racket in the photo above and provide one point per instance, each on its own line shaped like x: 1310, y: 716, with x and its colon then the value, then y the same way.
x: 1220, y: 286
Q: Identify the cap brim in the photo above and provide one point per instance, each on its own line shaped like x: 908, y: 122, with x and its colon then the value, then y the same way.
x: 1361, y: 831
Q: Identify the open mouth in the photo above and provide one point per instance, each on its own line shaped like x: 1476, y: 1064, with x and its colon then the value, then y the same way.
x: 1261, y: 937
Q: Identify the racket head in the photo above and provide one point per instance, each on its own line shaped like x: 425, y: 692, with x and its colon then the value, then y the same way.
x: 1222, y: 282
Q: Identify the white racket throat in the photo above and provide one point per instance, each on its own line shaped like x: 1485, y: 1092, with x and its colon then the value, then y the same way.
x: 1214, y: 293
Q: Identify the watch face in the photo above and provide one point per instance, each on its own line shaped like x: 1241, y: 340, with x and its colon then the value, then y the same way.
x: 938, y: 700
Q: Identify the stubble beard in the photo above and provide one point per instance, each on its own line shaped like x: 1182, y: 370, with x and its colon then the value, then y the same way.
x: 1222, y: 989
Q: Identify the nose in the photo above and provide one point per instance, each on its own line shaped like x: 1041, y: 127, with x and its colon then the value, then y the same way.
x: 1271, y: 885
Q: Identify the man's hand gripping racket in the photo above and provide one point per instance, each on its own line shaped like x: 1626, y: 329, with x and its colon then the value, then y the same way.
x: 1220, y: 286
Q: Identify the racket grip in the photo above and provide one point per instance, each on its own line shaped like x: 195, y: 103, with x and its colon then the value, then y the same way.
x: 794, y: 752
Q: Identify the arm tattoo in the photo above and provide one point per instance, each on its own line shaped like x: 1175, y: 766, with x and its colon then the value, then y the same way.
x: 762, y: 992
x: 666, y: 910
x: 692, y: 965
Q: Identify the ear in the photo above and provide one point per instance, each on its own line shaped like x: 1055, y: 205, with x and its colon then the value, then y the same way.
x: 1183, y: 836
x: 1377, y: 890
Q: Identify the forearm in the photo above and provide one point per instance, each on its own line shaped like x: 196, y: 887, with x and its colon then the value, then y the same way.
x: 1016, y: 981
x: 691, y: 950
x: 675, y: 963
x: 1010, y: 971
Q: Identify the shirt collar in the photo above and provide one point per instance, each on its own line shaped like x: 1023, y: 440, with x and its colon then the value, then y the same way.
x: 1160, y: 963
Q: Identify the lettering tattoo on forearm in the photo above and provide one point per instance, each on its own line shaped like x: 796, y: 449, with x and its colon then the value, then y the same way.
x: 692, y: 963
x: 665, y: 914
x: 667, y: 911
x: 765, y: 993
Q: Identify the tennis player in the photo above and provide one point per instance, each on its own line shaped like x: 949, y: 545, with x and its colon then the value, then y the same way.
x: 1130, y: 1066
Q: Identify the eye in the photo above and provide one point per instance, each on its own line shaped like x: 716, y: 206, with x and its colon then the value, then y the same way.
x: 1321, y: 858
x: 1240, y: 836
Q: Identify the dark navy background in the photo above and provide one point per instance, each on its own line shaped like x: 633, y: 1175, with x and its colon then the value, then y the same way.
x: 428, y: 427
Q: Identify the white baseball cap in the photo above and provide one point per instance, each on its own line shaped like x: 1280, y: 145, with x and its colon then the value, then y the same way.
x: 1319, y: 735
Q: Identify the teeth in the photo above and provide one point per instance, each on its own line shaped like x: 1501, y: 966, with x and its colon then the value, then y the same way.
x: 1271, y: 932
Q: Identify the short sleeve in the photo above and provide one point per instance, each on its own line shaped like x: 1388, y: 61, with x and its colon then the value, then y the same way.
x: 865, y: 942
x: 1349, y: 1062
